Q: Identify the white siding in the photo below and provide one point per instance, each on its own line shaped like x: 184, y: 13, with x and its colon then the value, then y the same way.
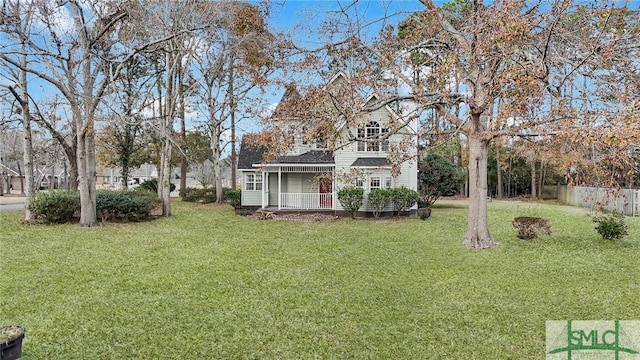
x: 348, y: 154
x: 344, y: 157
x: 250, y: 198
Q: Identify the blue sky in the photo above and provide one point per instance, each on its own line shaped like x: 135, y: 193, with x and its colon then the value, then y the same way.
x: 302, y: 20
x: 301, y: 15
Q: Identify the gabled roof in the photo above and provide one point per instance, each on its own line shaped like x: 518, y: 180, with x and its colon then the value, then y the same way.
x: 252, y: 153
x: 370, y: 162
x: 289, y: 105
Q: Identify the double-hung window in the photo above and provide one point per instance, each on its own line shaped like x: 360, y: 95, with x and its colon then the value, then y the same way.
x: 253, y: 182
x: 375, y: 182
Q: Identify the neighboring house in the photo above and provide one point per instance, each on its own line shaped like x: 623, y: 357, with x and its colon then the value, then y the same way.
x: 308, y: 176
x: 110, y: 178
x: 13, y: 180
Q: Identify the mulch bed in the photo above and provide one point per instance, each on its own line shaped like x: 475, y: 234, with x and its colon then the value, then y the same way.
x: 305, y: 217
x: 262, y: 214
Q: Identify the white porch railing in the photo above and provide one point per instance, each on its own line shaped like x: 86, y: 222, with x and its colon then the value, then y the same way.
x: 306, y: 201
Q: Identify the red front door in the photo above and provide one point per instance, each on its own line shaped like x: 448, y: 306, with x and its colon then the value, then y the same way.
x: 326, y: 194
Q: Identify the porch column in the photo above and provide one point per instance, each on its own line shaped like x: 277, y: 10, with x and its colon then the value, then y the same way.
x: 279, y: 186
x: 333, y: 189
x: 264, y: 189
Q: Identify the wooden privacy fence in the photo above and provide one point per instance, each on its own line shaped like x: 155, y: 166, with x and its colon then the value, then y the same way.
x: 626, y: 201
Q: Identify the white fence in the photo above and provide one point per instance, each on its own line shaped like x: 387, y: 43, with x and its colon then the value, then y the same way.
x: 626, y: 201
x: 306, y: 201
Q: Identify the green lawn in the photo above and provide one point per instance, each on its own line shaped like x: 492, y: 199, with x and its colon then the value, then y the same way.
x: 207, y: 284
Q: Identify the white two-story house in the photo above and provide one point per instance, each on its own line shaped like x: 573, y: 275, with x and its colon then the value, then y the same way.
x: 307, y: 175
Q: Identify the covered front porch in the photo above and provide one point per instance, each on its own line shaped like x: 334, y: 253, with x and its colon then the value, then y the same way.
x: 298, y: 187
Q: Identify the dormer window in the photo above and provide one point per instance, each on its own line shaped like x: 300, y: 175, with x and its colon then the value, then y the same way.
x: 370, y: 133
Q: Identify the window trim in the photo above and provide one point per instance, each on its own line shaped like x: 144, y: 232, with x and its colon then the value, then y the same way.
x: 372, y: 130
x: 253, y: 179
x: 379, y: 180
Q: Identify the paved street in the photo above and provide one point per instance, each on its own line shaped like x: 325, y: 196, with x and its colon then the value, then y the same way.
x: 12, y: 202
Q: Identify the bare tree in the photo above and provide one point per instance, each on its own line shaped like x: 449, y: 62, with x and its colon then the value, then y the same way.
x: 71, y: 47
x: 16, y: 18
x: 238, y: 60
x: 181, y: 22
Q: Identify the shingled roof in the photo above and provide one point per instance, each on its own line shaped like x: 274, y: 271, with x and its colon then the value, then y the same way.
x: 252, y: 153
x: 289, y: 105
x: 370, y: 162
x: 310, y: 157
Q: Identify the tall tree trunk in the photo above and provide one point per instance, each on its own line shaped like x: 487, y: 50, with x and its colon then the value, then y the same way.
x: 217, y: 163
x: 73, y: 169
x: 172, y: 63
x: 165, y: 186
x: 124, y: 178
x: 86, y: 170
x: 499, y: 175
x: 232, y: 113
x: 183, y: 133
x: 83, y: 112
x: 541, y: 179
x: 534, y: 181
x: 477, y: 236
x: 27, y: 144
x: 509, y: 177
x: 234, y: 155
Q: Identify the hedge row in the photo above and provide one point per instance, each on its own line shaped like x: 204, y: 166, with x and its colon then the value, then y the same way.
x: 208, y: 195
x: 204, y: 196
x: 402, y: 199
x: 60, y: 206
x: 152, y: 185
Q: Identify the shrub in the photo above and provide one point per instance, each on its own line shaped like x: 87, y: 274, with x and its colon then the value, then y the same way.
x: 152, y: 185
x: 611, y: 226
x: 438, y: 176
x: 530, y: 227
x: 125, y: 204
x: 423, y: 204
x: 351, y: 199
x: 204, y: 196
x: 233, y: 197
x: 54, y: 207
x: 424, y: 213
x: 379, y: 199
x: 403, y: 198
